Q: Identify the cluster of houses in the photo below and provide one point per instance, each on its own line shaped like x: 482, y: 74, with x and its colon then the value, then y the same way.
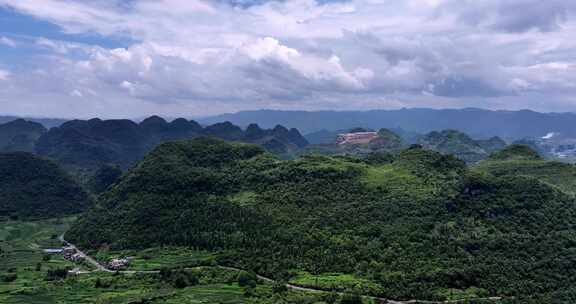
x: 72, y: 254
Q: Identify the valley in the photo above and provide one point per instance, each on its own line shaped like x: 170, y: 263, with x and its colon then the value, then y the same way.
x: 449, y: 219
x: 287, y: 152
x: 23, y: 243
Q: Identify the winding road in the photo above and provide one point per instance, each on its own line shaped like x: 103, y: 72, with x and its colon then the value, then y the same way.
x: 100, y: 267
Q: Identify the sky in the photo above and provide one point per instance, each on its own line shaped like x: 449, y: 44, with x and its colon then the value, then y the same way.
x: 193, y: 58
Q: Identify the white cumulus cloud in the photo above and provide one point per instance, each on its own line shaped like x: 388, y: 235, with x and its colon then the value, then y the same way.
x: 207, y: 56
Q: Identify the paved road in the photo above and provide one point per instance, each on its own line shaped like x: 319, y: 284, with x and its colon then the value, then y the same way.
x: 89, y: 259
x: 381, y: 300
x: 100, y: 267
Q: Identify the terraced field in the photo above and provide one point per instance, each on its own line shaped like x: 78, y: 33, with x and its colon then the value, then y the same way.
x: 24, y: 271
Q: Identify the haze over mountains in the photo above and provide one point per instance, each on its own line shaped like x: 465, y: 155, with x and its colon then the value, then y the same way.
x: 358, y: 162
x: 20, y: 135
x: 46, y: 122
x: 402, y: 219
x: 89, y: 144
x: 470, y: 134
x: 475, y: 122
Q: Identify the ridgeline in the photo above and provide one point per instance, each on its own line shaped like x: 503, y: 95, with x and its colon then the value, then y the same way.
x: 415, y: 225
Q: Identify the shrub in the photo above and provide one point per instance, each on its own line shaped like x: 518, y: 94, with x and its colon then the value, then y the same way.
x: 351, y: 299
x: 279, y: 287
x: 247, y: 279
x: 10, y: 277
x: 56, y: 274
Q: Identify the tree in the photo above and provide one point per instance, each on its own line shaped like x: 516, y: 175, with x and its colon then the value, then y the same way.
x: 9, y: 277
x: 98, y: 283
x: 56, y: 274
x: 331, y: 297
x: 247, y: 279
x: 351, y: 299
x: 279, y: 287
x: 104, y: 177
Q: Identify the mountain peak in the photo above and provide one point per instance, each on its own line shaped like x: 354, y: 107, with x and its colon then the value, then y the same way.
x: 153, y: 120
x: 516, y: 152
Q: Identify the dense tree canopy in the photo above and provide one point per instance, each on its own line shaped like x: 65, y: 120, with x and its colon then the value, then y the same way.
x: 35, y: 187
x: 104, y: 177
x: 417, y: 225
x: 81, y: 145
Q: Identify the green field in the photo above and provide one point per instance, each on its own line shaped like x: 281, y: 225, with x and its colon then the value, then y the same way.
x: 336, y: 282
x: 23, y: 274
x: 21, y: 243
x: 158, y: 258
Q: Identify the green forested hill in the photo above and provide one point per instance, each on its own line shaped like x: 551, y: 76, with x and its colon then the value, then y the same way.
x: 520, y: 160
x: 35, y: 187
x: 19, y: 135
x: 86, y: 145
x: 455, y: 143
x: 423, y: 226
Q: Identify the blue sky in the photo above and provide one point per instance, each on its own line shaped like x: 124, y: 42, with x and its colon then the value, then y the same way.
x: 119, y: 58
x: 16, y: 26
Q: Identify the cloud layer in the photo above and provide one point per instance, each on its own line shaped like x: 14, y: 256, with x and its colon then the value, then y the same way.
x: 195, y: 57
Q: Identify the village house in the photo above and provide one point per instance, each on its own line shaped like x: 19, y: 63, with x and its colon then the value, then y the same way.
x: 68, y: 252
x: 117, y: 264
x: 77, y: 257
x: 356, y: 138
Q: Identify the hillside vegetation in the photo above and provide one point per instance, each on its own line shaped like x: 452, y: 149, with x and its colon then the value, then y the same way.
x: 35, y: 187
x: 385, y: 141
x: 447, y: 142
x: 28, y: 276
x: 418, y: 225
x: 520, y: 160
x: 89, y: 144
x: 461, y: 145
x: 20, y: 135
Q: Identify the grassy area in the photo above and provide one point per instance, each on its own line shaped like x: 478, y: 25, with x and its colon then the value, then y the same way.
x: 21, y: 243
x: 212, y: 293
x: 335, y: 281
x: 24, y: 267
x: 158, y: 258
x: 459, y: 294
x: 22, y: 258
x: 126, y: 289
x: 395, y: 180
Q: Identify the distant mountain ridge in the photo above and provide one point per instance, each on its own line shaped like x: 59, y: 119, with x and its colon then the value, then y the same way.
x: 446, y: 142
x: 20, y: 135
x: 92, y: 143
x: 46, y: 122
x: 475, y: 122
x: 461, y: 145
